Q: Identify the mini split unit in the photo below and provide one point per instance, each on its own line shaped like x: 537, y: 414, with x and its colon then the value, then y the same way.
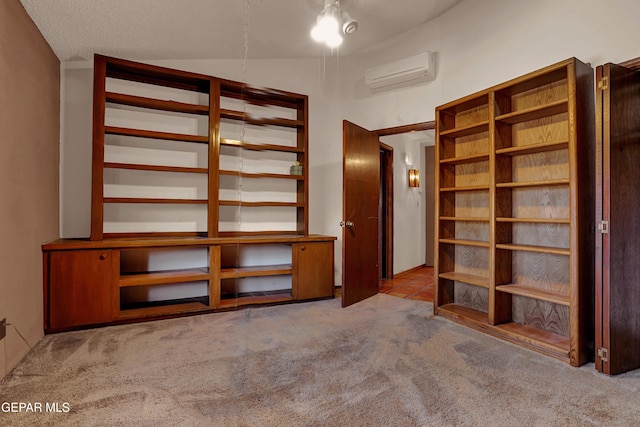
x: 406, y: 72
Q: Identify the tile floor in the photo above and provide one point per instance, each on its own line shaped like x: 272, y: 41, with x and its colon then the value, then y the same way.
x: 417, y: 285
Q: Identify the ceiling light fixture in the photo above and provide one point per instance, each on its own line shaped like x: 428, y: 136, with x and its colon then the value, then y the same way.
x: 331, y: 23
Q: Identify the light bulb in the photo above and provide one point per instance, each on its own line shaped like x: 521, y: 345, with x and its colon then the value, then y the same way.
x: 316, y: 34
x: 334, y: 40
x: 328, y: 26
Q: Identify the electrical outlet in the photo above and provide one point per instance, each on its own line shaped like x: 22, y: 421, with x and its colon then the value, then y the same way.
x: 3, y: 328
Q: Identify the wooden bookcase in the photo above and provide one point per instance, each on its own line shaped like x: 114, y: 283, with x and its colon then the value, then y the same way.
x: 515, y: 215
x: 195, y: 204
x: 184, y: 154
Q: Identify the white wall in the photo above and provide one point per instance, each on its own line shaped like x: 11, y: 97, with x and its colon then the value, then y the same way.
x: 408, y: 202
x: 482, y: 43
x: 477, y: 44
x: 488, y: 42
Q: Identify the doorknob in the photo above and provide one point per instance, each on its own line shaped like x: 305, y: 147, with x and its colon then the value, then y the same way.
x: 347, y: 224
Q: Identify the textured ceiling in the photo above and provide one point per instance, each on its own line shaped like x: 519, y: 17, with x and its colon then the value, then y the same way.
x: 202, y: 29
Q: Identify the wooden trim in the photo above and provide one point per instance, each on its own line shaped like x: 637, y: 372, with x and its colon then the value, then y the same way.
x: 601, y: 259
x: 151, y: 242
x: 97, y: 162
x: 302, y: 189
x: 406, y: 128
x: 385, y: 147
x: 213, y: 195
x: 115, y: 286
x: 214, y: 279
x: 153, y: 74
x: 387, y: 208
x: 632, y: 64
x: 45, y: 288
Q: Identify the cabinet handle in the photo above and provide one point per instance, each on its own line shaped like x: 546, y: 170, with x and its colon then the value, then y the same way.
x: 103, y: 256
x: 302, y: 248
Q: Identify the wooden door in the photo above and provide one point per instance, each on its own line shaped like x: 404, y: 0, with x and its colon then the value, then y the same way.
x: 618, y: 201
x: 360, y: 192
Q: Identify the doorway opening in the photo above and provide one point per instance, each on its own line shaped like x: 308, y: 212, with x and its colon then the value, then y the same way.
x: 414, y: 148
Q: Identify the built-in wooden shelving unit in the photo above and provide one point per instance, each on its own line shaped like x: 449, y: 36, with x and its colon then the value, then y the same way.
x: 195, y: 206
x: 515, y: 226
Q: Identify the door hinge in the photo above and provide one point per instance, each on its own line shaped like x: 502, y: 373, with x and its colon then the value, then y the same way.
x: 603, y: 83
x: 603, y: 227
x: 603, y: 354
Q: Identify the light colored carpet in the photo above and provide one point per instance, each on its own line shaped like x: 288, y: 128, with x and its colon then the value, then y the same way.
x: 383, y: 362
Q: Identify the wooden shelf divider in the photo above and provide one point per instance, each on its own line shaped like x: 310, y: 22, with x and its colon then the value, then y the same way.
x: 139, y: 133
x: 473, y: 158
x: 259, y: 147
x: 256, y: 271
x: 533, y: 248
x: 534, y: 113
x: 157, y: 168
x: 464, y: 242
x: 156, y: 104
x: 533, y: 148
x: 163, y: 277
x: 531, y: 292
x: 466, y: 130
x: 466, y: 278
x: 545, y: 183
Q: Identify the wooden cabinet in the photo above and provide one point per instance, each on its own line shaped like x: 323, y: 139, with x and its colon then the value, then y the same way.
x: 515, y: 217
x: 78, y: 288
x: 617, y: 248
x: 313, y: 274
x: 126, y: 280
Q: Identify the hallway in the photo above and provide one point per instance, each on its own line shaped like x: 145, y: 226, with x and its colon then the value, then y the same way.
x: 415, y: 285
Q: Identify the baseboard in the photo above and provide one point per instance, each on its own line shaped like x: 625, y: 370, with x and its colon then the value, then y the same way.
x: 409, y: 271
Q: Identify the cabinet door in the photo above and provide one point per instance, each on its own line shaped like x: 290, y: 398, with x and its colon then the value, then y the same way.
x: 313, y: 270
x: 79, y: 288
x: 617, y: 250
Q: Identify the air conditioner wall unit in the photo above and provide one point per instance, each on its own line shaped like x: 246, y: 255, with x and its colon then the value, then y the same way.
x: 402, y: 73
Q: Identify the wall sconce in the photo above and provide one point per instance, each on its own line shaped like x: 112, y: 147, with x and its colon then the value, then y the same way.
x: 414, y: 178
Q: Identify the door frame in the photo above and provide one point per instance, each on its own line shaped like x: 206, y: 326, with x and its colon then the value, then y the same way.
x: 386, y: 212
x: 388, y: 202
